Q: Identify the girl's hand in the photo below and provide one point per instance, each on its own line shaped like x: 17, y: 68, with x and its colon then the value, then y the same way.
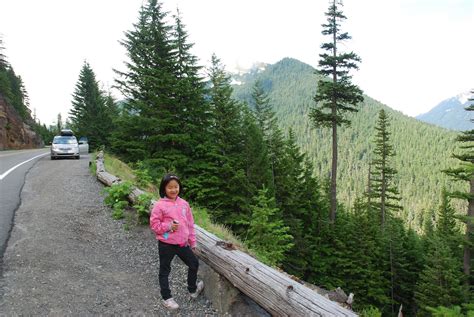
x: 174, y: 225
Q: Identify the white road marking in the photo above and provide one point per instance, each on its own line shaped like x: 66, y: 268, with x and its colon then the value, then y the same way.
x: 11, y: 169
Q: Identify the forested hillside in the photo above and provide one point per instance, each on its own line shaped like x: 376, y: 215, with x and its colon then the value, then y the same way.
x: 421, y: 150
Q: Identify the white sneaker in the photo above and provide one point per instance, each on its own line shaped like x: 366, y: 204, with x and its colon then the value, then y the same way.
x: 170, y: 304
x: 200, y: 287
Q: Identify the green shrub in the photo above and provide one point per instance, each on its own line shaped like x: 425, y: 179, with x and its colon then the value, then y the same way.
x: 142, y: 175
x: 142, y: 206
x: 119, y: 208
x: 370, y: 312
x: 117, y: 192
x: 117, y: 198
x: 454, y: 311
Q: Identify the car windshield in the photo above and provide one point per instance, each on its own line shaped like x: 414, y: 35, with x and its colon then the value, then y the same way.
x: 64, y: 140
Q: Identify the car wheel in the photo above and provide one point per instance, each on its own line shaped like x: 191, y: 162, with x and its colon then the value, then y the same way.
x: 52, y: 157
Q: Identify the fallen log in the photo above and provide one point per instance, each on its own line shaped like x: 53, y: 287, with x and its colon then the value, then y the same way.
x: 271, y: 289
x: 108, y: 179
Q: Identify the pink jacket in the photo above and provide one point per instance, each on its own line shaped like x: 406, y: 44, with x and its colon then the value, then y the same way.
x: 164, y: 212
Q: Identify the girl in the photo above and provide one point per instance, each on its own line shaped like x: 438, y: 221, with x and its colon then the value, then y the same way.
x: 172, y: 221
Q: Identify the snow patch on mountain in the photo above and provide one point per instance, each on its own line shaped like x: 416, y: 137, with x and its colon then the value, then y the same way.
x: 464, y: 97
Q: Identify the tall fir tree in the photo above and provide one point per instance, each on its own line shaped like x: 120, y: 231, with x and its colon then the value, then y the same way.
x: 361, y: 271
x: 382, y: 199
x: 191, y: 94
x: 230, y: 201
x: 383, y: 194
x: 151, y: 128
x: 440, y: 282
x: 273, y: 138
x: 465, y: 173
x: 292, y: 172
x: 305, y: 229
x: 446, y: 225
x: 257, y: 169
x: 263, y: 109
x: 89, y: 114
x: 336, y: 95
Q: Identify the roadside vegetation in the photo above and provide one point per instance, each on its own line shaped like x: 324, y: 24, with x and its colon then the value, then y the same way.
x: 117, y: 200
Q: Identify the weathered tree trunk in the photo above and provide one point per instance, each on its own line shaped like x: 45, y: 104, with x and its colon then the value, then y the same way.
x: 107, y: 178
x: 469, y: 232
x: 271, y: 289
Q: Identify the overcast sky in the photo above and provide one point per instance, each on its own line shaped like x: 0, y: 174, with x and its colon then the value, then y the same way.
x: 415, y: 53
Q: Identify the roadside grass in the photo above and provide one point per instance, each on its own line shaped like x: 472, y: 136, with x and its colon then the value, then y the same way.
x: 120, y: 169
x: 93, y: 165
x: 203, y: 220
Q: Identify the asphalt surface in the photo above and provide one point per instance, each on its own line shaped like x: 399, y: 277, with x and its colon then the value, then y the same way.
x: 12, y: 178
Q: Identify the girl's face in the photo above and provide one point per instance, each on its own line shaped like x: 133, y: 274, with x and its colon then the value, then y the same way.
x: 172, y: 189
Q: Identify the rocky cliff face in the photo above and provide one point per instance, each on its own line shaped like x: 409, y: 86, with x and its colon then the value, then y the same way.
x: 14, y: 133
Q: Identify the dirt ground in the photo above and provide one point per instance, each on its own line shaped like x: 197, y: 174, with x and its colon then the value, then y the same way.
x: 67, y: 256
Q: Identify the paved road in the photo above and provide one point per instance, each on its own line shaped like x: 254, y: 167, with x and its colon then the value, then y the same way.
x: 14, y: 165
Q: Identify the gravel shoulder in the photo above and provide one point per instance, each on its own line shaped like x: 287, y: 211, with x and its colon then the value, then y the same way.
x: 66, y: 255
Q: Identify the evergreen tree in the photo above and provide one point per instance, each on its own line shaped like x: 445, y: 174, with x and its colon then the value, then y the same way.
x: 383, y: 194
x: 263, y: 110
x: 151, y: 128
x: 190, y: 93
x: 267, y: 235
x: 337, y: 95
x: 257, y: 169
x: 306, y: 228
x: 229, y: 203
x: 16, y: 94
x: 402, y: 265
x: 273, y: 137
x: 365, y: 274
x: 383, y: 198
x: 446, y: 224
x: 292, y: 182
x: 465, y: 173
x: 89, y: 114
x: 440, y: 280
x: 3, y: 59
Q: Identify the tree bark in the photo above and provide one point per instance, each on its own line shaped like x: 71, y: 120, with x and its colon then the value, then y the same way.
x: 274, y: 291
x: 469, y: 232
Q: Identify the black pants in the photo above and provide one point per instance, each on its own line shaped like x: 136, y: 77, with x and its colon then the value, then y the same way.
x: 167, y: 253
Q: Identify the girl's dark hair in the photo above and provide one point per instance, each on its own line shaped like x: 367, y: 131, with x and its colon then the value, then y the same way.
x: 165, y: 180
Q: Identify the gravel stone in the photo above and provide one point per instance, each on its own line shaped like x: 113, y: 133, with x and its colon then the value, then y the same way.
x: 67, y: 256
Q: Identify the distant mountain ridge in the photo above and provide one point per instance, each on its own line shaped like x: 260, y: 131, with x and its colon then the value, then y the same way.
x: 422, y: 150
x: 451, y: 113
